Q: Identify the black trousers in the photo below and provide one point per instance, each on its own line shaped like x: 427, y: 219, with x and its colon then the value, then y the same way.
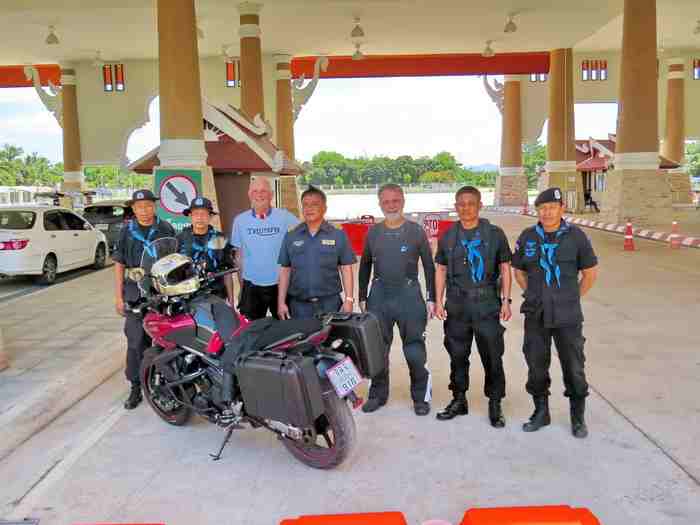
x: 308, y: 310
x: 137, y: 340
x: 537, y: 348
x: 460, y: 331
x: 405, y: 307
x: 256, y: 300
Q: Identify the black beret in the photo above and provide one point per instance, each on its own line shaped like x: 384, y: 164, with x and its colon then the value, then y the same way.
x: 549, y: 195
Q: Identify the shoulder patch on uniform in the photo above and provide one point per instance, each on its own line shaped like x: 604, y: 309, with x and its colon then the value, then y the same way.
x: 328, y: 242
x: 298, y: 243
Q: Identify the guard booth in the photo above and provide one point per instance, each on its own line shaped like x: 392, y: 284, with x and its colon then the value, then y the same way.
x: 238, y: 150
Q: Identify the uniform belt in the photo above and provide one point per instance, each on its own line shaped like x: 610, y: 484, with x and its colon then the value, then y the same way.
x: 314, y: 299
x: 394, y: 284
x: 485, y: 292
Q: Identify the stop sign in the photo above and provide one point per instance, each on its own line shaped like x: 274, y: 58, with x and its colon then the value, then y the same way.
x: 430, y: 225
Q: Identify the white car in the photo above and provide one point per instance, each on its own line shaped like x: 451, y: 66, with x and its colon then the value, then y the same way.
x: 44, y: 241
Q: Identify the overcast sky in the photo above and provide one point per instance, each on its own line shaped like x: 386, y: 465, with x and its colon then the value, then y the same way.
x: 384, y: 116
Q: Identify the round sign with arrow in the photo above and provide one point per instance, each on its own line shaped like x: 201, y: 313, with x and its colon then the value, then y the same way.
x: 176, y: 193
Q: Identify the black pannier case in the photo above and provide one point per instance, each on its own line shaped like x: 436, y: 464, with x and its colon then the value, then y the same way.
x: 282, y: 388
x: 365, y: 332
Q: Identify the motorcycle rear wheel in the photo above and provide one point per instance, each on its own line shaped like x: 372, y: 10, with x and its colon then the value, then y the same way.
x: 167, y: 407
x: 336, y: 436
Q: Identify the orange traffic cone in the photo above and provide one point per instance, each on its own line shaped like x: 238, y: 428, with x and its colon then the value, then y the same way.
x: 629, y: 238
x: 675, y: 237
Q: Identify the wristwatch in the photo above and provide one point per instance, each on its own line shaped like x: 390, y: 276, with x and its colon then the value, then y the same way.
x: 508, y: 299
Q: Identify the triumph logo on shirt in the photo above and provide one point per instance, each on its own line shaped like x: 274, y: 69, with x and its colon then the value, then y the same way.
x: 264, y: 232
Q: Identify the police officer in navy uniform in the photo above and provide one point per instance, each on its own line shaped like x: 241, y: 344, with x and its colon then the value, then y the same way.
x: 195, y: 242
x: 547, y: 260
x: 391, y: 253
x: 138, y: 235
x: 472, y: 256
x: 311, y: 257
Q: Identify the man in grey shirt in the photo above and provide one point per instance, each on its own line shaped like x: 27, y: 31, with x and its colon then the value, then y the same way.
x: 392, y: 249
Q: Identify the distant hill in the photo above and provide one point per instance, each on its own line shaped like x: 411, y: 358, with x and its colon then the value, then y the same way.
x: 482, y: 167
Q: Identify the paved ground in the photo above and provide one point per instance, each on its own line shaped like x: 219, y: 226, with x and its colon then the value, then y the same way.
x: 640, y: 465
x: 13, y: 287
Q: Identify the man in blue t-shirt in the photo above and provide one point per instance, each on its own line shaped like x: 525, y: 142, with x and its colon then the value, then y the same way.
x: 257, y: 236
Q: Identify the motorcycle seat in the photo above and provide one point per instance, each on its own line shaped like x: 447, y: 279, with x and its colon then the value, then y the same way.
x: 282, y: 331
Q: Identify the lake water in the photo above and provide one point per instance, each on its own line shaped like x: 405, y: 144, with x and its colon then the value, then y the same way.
x: 352, y: 206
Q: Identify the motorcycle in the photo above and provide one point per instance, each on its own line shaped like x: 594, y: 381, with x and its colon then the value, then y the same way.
x: 295, y: 378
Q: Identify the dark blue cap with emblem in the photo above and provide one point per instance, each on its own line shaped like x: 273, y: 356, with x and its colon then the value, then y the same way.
x: 142, y: 195
x: 549, y: 195
x: 202, y: 203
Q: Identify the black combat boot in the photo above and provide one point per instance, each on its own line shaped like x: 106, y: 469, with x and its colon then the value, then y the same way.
x: 457, y: 407
x: 421, y: 408
x: 540, y: 417
x: 578, y: 425
x: 496, y: 414
x: 135, y: 397
x: 373, y: 404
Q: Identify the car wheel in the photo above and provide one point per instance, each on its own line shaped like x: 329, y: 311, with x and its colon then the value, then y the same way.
x: 48, y: 271
x: 100, y: 257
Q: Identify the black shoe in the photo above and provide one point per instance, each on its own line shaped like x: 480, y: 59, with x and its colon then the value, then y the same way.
x: 540, y: 417
x: 373, y: 404
x: 421, y: 408
x: 496, y: 414
x: 457, y: 407
x: 578, y: 425
x: 135, y: 397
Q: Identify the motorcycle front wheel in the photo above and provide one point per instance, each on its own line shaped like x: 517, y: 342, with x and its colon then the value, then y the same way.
x: 167, y: 407
x: 336, y: 435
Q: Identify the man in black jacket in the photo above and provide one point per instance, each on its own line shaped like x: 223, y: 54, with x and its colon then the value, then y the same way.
x: 547, y: 260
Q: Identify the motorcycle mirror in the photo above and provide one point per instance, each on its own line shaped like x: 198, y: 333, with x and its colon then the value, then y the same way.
x: 217, y: 243
x: 136, y: 274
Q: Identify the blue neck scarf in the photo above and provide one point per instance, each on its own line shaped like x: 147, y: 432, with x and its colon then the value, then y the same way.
x: 548, y: 253
x: 476, y: 261
x: 199, y: 250
x: 148, y: 240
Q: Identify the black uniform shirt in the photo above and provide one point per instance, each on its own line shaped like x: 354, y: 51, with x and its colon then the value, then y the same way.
x: 394, y: 254
x: 129, y: 250
x: 314, y: 260
x: 503, y: 253
x: 558, y: 300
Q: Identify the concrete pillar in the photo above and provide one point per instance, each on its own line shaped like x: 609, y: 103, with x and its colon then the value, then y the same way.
x: 252, y: 96
x: 674, y: 143
x: 72, y: 158
x: 284, y: 130
x: 181, y: 121
x: 635, y: 190
x: 511, y: 183
x: 561, y: 146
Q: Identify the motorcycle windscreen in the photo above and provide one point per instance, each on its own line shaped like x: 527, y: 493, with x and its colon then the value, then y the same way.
x: 153, y: 252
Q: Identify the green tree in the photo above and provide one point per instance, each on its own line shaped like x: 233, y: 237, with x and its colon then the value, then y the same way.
x: 534, y: 158
x: 692, y: 157
x: 437, y: 176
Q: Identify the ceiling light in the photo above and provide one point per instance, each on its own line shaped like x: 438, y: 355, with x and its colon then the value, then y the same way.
x: 488, y: 51
x: 52, y: 39
x: 357, y: 34
x: 98, y: 62
x: 510, y: 26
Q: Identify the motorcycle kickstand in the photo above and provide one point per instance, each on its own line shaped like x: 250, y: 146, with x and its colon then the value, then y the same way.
x: 227, y: 438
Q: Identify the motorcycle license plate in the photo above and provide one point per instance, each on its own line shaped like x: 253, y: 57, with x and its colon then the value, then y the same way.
x: 344, y: 377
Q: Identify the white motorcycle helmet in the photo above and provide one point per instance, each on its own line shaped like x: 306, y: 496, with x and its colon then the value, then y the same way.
x: 174, y: 274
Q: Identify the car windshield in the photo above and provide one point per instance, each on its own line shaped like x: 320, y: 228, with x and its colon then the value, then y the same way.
x: 104, y: 212
x: 17, y: 220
